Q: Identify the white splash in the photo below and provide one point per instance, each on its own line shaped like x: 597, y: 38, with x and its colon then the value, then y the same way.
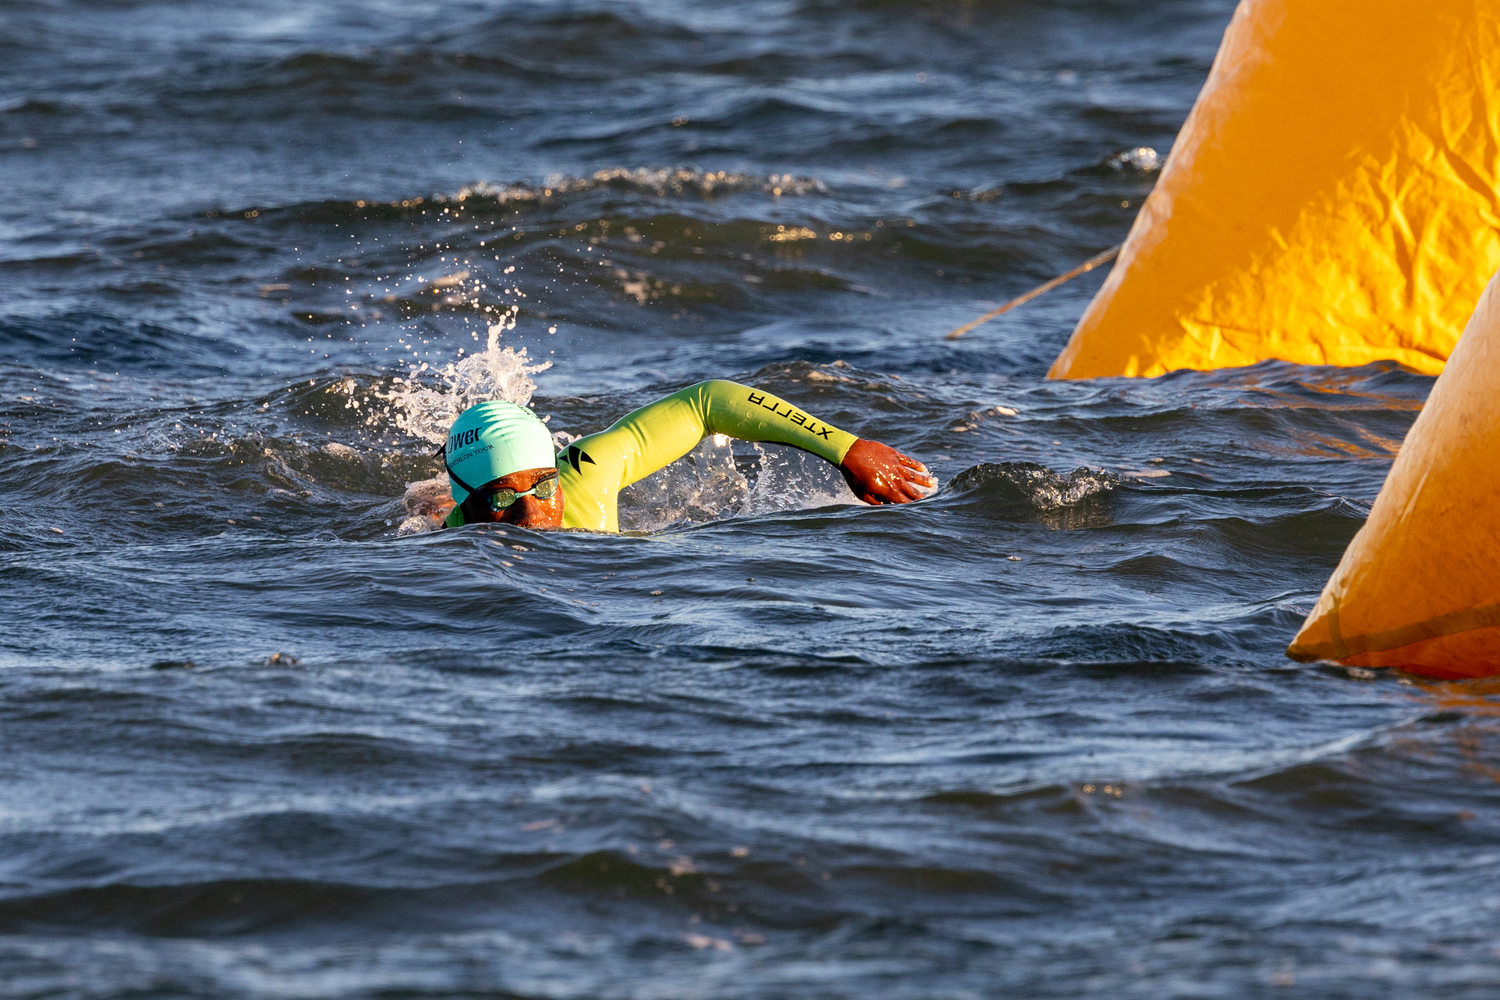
x: 426, y: 409
x: 706, y: 485
x: 792, y: 479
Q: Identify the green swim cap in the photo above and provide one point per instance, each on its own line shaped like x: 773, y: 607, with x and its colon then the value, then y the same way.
x: 492, y: 440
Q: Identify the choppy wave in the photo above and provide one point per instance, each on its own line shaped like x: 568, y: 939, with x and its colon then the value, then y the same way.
x: 1038, y: 487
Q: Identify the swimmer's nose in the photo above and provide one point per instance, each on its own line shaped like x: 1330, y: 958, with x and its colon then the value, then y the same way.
x: 524, y: 511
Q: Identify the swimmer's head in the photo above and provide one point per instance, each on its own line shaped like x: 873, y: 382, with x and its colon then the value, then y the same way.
x: 492, y: 441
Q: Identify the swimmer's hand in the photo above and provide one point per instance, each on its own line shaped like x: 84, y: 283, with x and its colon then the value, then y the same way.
x: 429, y: 498
x: 878, y: 473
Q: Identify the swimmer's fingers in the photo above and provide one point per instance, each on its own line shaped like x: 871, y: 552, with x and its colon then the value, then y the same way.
x: 893, y: 488
x: 921, y: 479
x: 912, y: 491
x: 913, y: 474
x: 918, y: 472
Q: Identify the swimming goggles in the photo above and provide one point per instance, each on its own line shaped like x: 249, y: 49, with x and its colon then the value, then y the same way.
x: 500, y: 499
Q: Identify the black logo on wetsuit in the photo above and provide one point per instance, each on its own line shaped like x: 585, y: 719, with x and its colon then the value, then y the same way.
x: 574, y: 455
x: 795, y: 416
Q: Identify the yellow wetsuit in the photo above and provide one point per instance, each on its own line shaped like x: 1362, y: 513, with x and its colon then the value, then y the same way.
x: 594, y: 469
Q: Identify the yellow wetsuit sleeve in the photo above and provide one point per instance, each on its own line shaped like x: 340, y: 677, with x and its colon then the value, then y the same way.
x: 594, y: 469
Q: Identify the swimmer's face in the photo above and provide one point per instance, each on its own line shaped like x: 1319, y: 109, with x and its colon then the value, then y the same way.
x: 528, y: 511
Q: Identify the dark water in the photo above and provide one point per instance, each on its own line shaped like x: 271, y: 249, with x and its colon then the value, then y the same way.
x: 1034, y: 737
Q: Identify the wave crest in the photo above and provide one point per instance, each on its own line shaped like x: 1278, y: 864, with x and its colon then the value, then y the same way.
x: 1034, y: 486
x: 659, y: 181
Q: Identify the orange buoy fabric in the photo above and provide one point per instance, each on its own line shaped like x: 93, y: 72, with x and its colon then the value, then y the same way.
x: 1419, y: 587
x: 1333, y: 198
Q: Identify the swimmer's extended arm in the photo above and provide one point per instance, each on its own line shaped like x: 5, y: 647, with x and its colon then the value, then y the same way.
x: 671, y: 427
x: 595, y: 468
x: 877, y: 473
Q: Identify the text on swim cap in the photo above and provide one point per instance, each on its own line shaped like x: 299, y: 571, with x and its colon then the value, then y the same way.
x: 457, y: 441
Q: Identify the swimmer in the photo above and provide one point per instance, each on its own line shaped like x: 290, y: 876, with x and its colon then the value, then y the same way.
x: 502, y: 466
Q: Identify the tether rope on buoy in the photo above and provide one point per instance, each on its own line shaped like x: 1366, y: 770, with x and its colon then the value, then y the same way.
x: 1046, y: 286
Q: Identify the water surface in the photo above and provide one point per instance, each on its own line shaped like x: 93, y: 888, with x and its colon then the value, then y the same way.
x: 264, y: 736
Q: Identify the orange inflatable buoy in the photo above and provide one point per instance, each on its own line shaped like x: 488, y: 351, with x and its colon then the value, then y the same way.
x: 1419, y: 587
x: 1332, y: 199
